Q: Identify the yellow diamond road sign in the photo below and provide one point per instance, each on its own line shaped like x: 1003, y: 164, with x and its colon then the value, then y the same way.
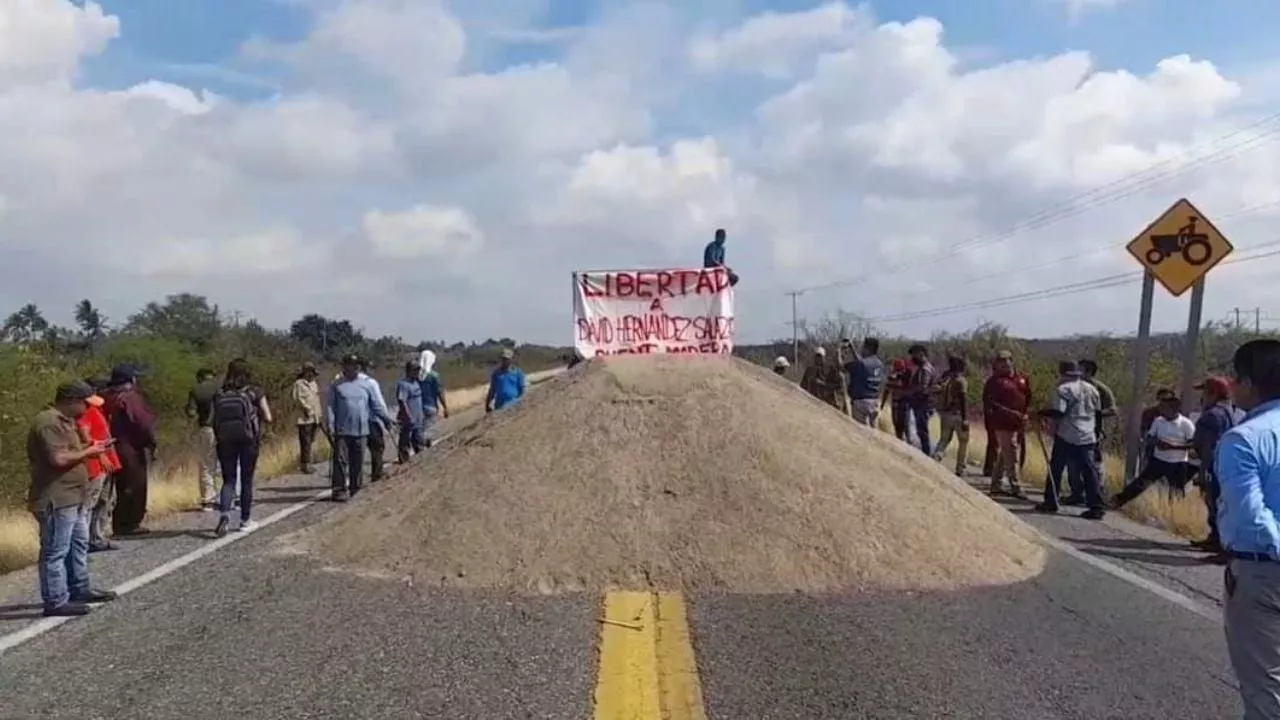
x: 1180, y: 247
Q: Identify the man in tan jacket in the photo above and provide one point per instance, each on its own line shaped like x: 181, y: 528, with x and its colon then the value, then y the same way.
x: 306, y: 400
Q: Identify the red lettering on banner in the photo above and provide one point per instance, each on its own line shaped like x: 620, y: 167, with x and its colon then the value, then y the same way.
x: 654, y: 284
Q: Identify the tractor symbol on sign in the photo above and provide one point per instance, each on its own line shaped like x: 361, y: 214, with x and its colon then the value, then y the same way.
x: 1193, y: 246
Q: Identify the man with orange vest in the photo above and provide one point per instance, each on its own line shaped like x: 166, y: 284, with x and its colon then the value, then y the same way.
x: 100, y: 496
x: 1005, y: 400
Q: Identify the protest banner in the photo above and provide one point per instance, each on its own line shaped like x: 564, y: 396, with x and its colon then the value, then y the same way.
x: 641, y: 312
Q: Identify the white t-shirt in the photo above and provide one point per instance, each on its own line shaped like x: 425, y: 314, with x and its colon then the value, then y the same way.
x: 1178, y: 431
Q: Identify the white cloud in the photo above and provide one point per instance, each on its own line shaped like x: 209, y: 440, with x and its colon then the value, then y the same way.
x: 397, y: 159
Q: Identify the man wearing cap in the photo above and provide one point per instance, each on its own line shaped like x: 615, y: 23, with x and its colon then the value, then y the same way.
x: 1074, y: 412
x: 133, y: 427
x: 866, y: 377
x: 351, y: 411
x: 506, y: 383
x: 1006, y: 397
x: 1217, y: 416
x: 780, y: 365
x: 200, y: 411
x: 921, y: 394
x: 57, y: 455
x: 94, y: 428
x: 412, y: 415
x: 1171, y: 439
x: 305, y: 395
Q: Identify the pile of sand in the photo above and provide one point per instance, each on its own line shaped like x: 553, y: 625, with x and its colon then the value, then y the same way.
x: 677, y: 472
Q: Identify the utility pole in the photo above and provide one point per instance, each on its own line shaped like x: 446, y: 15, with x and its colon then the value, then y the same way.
x: 1237, y: 312
x: 795, y: 326
x: 1257, y: 321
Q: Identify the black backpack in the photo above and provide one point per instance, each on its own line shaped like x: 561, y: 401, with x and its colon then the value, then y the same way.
x: 235, y: 416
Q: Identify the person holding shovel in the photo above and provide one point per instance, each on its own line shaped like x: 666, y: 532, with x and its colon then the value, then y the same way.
x: 1074, y: 411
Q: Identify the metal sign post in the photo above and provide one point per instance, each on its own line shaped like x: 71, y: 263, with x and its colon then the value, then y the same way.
x: 1177, y: 250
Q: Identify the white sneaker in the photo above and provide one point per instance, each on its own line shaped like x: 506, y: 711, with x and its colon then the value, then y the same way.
x: 247, y: 526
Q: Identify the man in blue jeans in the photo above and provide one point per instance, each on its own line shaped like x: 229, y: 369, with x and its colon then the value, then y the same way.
x: 56, y: 453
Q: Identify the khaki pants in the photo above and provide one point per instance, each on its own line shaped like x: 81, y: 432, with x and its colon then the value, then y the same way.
x: 953, y: 425
x: 1006, y: 465
x: 1252, y: 615
x: 98, y: 501
x: 865, y: 412
x: 208, y: 465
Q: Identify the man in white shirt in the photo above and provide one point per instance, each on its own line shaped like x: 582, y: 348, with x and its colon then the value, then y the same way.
x: 1172, y: 434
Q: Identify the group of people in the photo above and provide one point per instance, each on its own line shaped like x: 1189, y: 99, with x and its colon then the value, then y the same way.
x: 91, y: 450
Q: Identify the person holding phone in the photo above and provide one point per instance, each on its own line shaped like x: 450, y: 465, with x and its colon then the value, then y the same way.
x: 57, y: 456
x: 94, y: 427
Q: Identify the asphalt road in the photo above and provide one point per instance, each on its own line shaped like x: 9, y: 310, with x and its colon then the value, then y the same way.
x: 250, y: 631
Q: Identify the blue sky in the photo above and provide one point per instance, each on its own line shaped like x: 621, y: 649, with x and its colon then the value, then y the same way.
x: 190, y: 40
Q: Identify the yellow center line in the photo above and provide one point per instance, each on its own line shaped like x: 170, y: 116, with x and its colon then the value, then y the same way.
x: 647, y: 670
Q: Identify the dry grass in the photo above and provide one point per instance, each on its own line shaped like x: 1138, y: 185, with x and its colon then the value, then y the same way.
x: 174, y: 486
x: 677, y: 472
x: 1185, y: 516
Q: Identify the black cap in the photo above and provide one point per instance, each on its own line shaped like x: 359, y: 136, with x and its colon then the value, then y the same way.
x: 74, y: 390
x: 351, y: 359
x: 124, y: 373
x: 1068, y: 368
x: 97, y: 382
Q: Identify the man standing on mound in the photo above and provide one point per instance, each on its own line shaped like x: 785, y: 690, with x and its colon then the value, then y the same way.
x: 350, y: 412
x: 822, y: 379
x: 506, y: 383
x: 866, y: 383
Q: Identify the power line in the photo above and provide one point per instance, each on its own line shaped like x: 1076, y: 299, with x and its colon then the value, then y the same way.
x: 1053, y: 292
x: 1098, y: 196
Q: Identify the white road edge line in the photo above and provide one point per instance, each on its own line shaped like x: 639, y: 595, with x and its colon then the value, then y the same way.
x: 1182, y: 601
x: 44, y: 625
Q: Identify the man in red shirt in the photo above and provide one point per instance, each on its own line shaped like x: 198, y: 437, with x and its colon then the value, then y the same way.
x: 1005, y: 399
x: 133, y: 427
x: 100, y: 496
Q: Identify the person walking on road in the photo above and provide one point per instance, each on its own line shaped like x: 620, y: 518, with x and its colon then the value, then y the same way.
x: 434, y: 404
x: 1172, y: 438
x: 380, y: 428
x: 1006, y: 397
x: 921, y: 391
x: 352, y: 409
x: 713, y: 256
x: 506, y: 383
x: 1074, y: 413
x: 239, y: 412
x: 1248, y: 472
x: 411, y: 415
x: 199, y: 410
x: 94, y: 428
x: 133, y: 427
x: 57, y: 495
x: 953, y: 413
x: 866, y: 383
x: 1217, y: 416
x: 305, y: 395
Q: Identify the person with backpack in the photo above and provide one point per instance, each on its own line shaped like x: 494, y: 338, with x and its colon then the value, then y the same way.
x: 239, y: 411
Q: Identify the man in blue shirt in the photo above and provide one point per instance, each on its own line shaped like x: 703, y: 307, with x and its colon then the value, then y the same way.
x: 1248, y: 473
x: 351, y: 411
x: 1217, y: 416
x: 433, y: 402
x: 866, y: 382
x: 713, y: 256
x: 411, y: 412
x: 506, y: 384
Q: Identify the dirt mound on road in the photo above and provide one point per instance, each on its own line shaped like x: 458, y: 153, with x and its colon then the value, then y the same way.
x: 677, y: 472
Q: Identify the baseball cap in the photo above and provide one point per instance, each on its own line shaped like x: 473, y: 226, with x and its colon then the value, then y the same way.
x: 1215, y: 384
x: 1164, y: 394
x: 124, y: 373
x: 781, y: 361
x: 820, y: 350
x: 350, y: 359
x: 74, y: 390
x: 508, y: 353
x: 1004, y: 355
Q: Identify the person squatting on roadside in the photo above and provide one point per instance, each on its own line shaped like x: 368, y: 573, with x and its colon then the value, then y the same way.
x: 305, y: 395
x: 1171, y: 437
x: 351, y: 411
x: 953, y: 412
x: 866, y: 383
x: 1247, y: 467
x: 1074, y: 414
x: 200, y: 411
x: 58, y: 498
x: 410, y: 414
x: 94, y: 428
x: 1217, y: 416
x: 133, y: 427
x: 1006, y: 397
x: 239, y: 412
